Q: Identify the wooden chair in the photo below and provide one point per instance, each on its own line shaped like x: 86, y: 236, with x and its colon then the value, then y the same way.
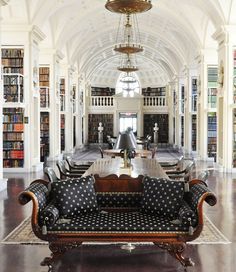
x: 74, y: 167
x: 50, y: 173
x: 181, y: 174
x: 65, y: 173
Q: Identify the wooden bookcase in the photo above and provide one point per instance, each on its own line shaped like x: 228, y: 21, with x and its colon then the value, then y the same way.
x: 212, y: 135
x: 44, y: 135
x: 62, y: 94
x: 93, y: 123
x: 159, y: 91
x: 162, y: 121
x: 98, y: 91
x: 212, y: 72
x: 194, y: 132
x: 13, y: 137
x: 44, y: 84
x: 62, y: 132
x: 13, y: 70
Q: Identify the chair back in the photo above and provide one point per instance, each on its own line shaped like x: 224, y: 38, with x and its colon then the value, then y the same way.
x: 70, y: 161
x: 189, y: 167
x: 62, y: 167
x: 101, y: 152
x: 51, y: 174
x: 203, y: 175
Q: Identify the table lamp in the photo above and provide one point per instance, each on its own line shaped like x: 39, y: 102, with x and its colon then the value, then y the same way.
x: 126, y: 143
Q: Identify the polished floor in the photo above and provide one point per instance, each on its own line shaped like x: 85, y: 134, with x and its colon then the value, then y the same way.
x: 207, y: 258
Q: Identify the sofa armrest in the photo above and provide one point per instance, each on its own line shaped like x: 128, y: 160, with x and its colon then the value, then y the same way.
x: 37, y: 191
x: 197, y: 194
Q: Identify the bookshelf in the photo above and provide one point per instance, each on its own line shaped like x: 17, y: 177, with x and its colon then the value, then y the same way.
x: 62, y: 94
x: 160, y: 91
x: 94, y: 120
x: 212, y: 86
x: 44, y: 135
x: 162, y: 121
x: 212, y: 135
x: 98, y: 91
x: 44, y: 84
x: 194, y: 132
x: 182, y: 130
x: 62, y: 132
x: 13, y: 70
x: 194, y: 95
x: 212, y: 77
x: 74, y: 98
x: 13, y: 137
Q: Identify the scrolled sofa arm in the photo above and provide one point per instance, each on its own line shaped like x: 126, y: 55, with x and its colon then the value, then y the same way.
x: 197, y: 194
x: 37, y: 191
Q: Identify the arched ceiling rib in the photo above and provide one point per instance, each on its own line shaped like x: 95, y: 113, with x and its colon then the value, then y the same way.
x: 172, y: 31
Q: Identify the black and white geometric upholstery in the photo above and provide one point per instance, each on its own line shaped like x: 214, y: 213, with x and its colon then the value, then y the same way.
x: 117, y: 222
x: 75, y: 196
x: 162, y: 197
x: 187, y: 216
x: 119, y: 199
x: 49, y: 215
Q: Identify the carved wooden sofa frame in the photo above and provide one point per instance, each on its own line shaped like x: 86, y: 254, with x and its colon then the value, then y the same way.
x: 59, y: 243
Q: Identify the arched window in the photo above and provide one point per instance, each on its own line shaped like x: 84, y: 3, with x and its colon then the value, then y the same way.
x: 128, y: 84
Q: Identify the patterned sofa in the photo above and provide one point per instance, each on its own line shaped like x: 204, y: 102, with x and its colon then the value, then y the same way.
x: 67, y: 213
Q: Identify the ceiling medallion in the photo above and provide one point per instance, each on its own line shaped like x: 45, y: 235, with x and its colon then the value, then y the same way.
x: 128, y: 6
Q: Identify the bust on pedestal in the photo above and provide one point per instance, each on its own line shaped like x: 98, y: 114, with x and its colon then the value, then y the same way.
x: 156, y: 129
x: 100, y: 133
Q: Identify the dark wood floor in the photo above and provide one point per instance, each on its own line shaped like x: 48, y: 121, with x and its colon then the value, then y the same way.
x: 207, y: 258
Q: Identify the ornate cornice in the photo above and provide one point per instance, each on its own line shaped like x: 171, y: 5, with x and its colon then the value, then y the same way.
x: 4, y: 2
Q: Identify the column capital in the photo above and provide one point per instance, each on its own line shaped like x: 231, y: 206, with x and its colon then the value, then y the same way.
x: 37, y: 35
x: 225, y: 34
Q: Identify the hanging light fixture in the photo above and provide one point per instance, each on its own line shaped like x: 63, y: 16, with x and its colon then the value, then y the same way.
x: 130, y: 37
x: 128, y: 6
x: 126, y: 65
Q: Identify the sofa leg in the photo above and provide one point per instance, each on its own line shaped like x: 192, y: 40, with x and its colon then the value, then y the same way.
x: 58, y: 249
x: 176, y: 251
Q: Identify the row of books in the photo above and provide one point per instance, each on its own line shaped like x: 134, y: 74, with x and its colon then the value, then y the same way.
x: 16, y: 70
x: 13, y: 79
x: 13, y: 127
x: 13, y: 118
x: 13, y: 154
x: 12, y: 53
x: 12, y: 62
x: 13, y: 163
x: 13, y: 145
x: 11, y: 136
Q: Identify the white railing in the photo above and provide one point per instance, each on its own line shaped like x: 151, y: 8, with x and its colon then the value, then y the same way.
x: 13, y: 87
x: 101, y: 101
x: 44, y: 97
x: 154, y: 101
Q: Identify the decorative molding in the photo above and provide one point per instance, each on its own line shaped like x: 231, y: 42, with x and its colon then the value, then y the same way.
x: 37, y: 34
x: 4, y: 2
x: 59, y: 55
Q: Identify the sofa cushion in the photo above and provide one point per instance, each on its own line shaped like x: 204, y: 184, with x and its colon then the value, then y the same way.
x: 117, y: 222
x: 162, y: 197
x: 75, y: 196
x: 187, y: 216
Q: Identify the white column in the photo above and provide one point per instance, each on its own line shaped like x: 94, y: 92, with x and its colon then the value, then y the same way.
x: 226, y: 39
x: 69, y: 110
x: 52, y: 58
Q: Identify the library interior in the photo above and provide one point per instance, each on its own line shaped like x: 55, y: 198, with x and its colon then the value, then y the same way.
x: 118, y: 89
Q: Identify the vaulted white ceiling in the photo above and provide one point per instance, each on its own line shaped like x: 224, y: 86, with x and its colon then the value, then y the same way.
x: 173, y: 32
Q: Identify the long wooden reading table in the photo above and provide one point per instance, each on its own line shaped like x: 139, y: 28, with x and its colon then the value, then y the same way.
x: 139, y: 166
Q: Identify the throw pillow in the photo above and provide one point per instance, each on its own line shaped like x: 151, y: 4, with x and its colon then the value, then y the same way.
x: 162, y: 197
x: 75, y: 196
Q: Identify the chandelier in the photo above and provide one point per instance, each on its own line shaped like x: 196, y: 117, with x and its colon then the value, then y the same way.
x: 126, y: 65
x: 131, y: 42
x: 128, y: 6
